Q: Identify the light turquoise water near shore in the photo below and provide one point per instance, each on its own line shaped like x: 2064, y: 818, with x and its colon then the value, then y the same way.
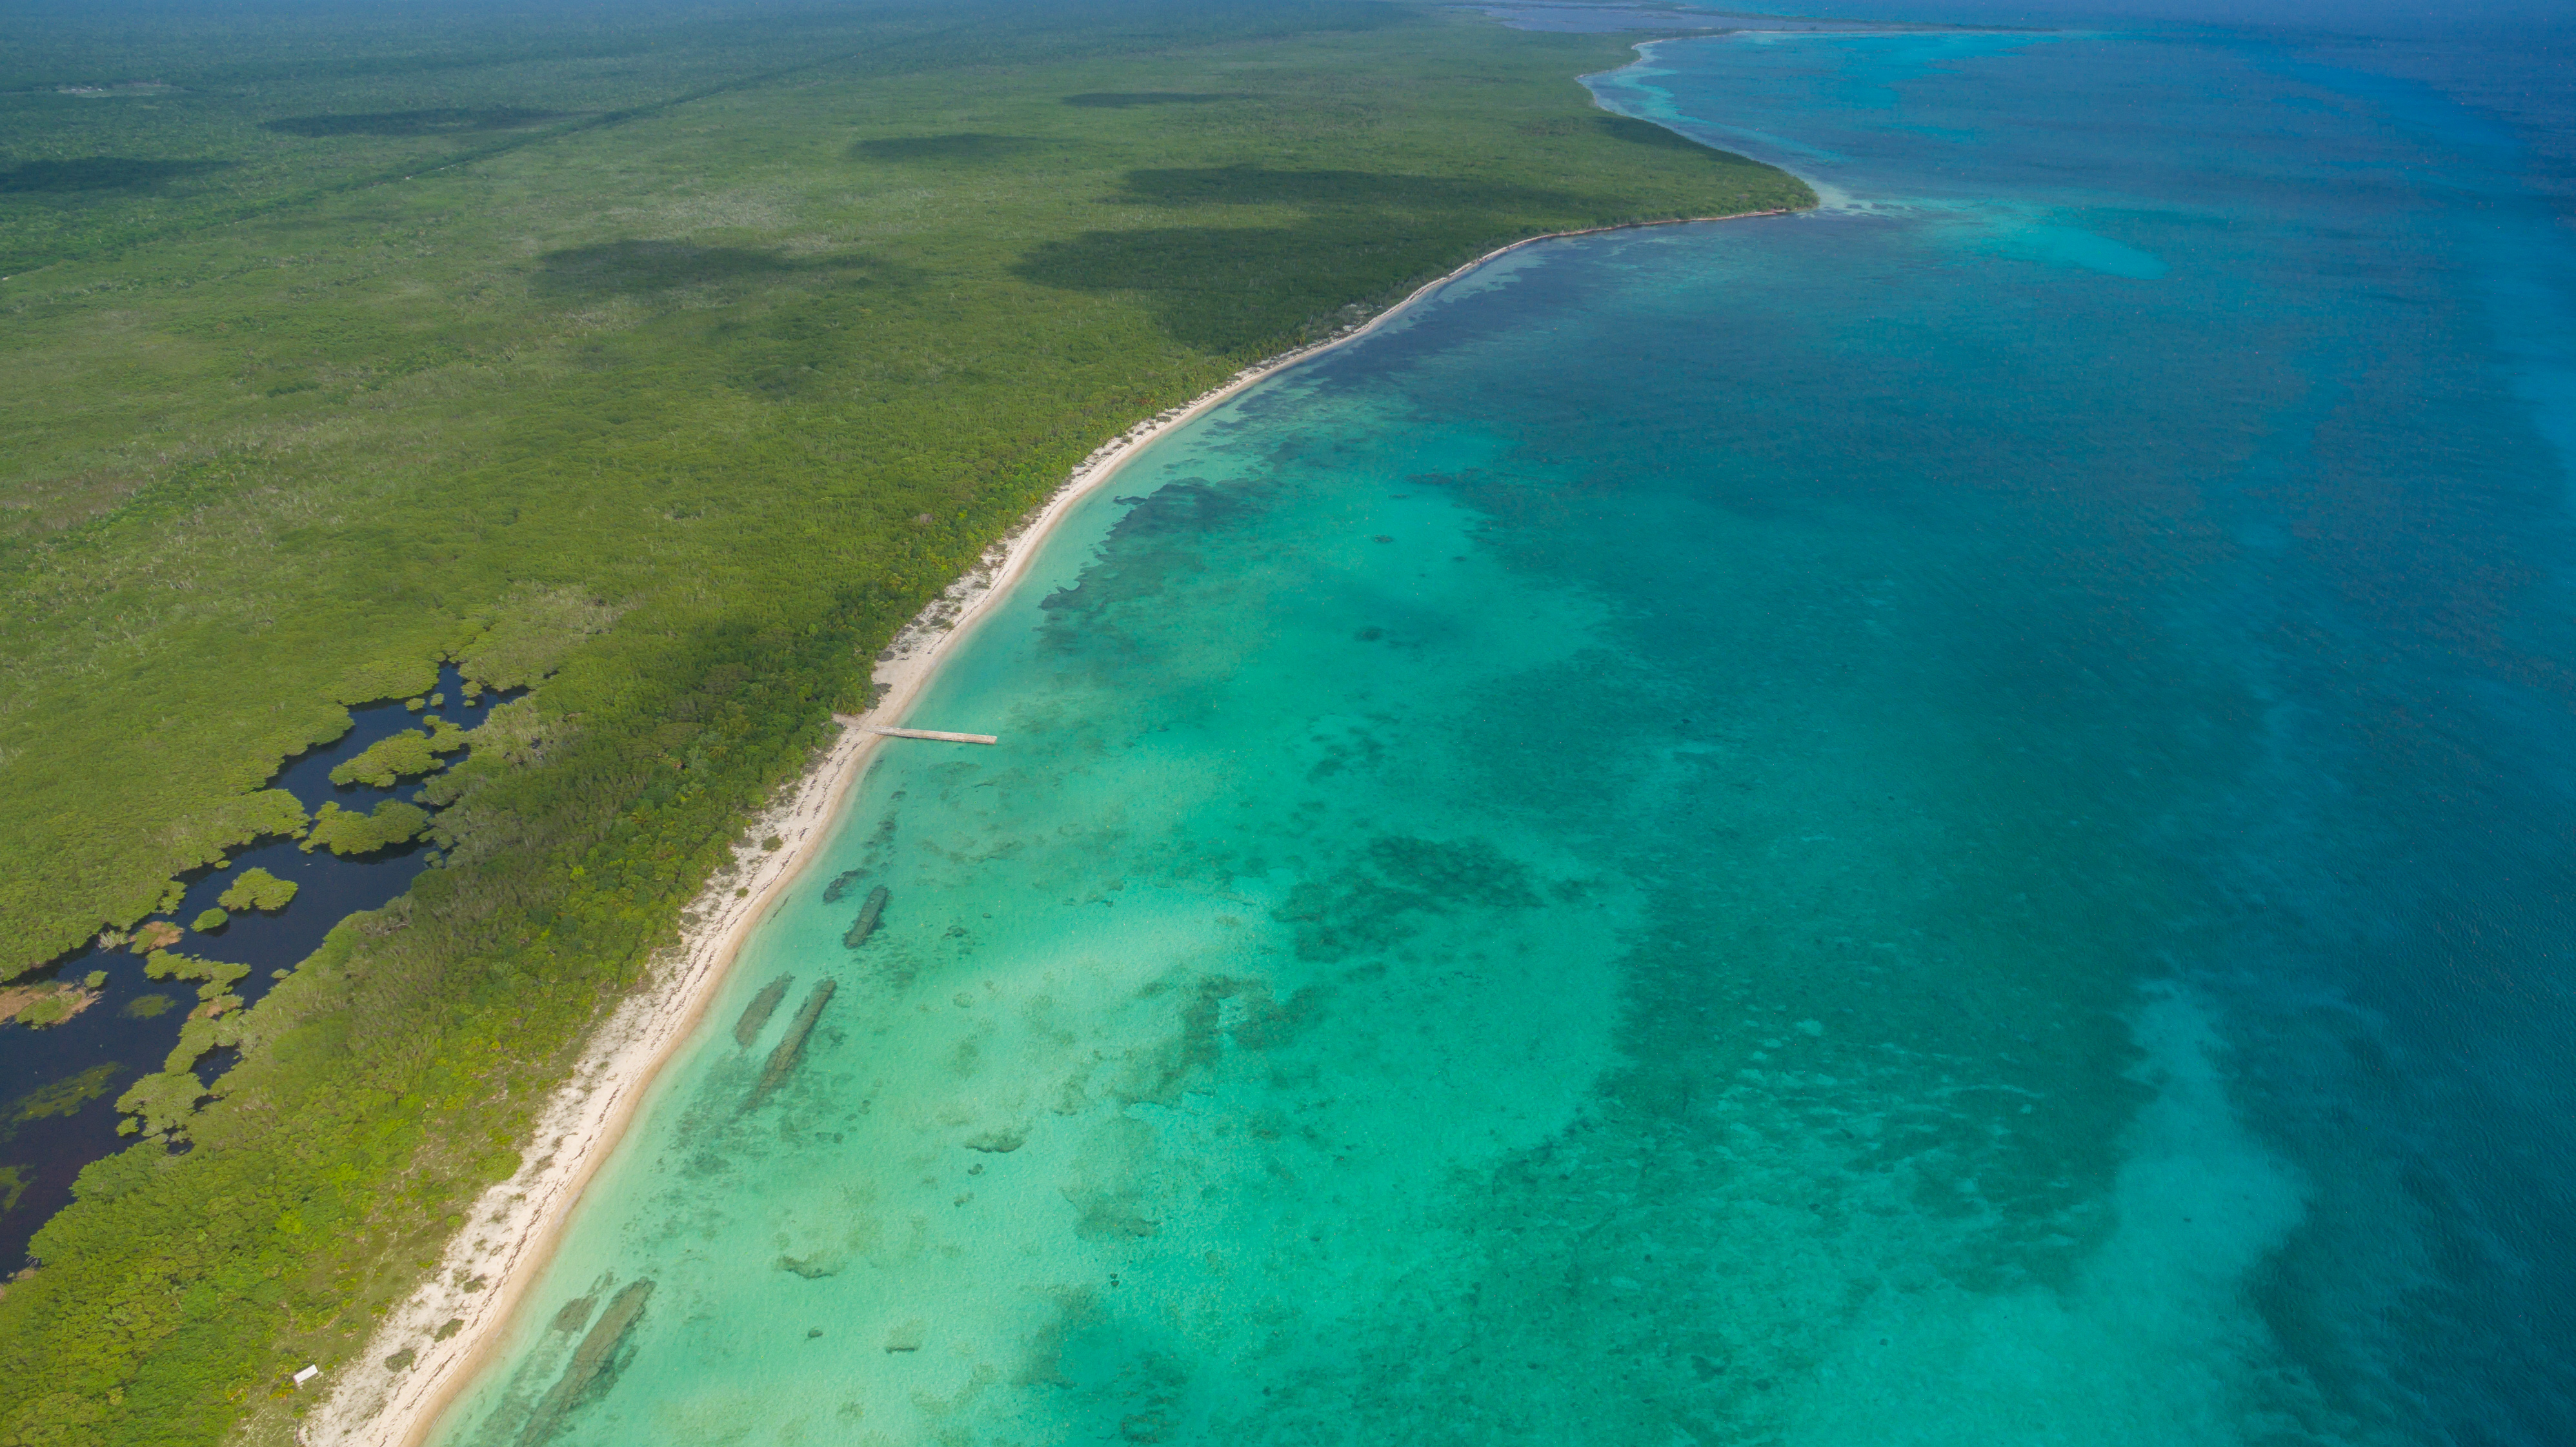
x: 1832, y: 830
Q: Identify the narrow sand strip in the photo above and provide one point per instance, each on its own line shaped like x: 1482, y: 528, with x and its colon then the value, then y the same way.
x: 512, y: 1228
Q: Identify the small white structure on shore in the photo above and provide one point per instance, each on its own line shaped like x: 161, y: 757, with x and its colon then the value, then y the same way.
x: 306, y: 1375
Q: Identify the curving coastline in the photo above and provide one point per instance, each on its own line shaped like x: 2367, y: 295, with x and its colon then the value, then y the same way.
x: 514, y: 1225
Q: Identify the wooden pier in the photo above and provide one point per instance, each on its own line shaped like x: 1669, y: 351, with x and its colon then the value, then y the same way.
x: 945, y: 738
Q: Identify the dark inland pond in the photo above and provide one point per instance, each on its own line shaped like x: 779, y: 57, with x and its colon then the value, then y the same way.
x: 59, y: 1083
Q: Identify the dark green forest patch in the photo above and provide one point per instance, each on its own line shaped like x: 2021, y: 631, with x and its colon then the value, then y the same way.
x: 953, y: 148
x: 1257, y: 185
x: 100, y: 173
x: 1128, y: 99
x: 1191, y: 278
x: 1647, y: 133
x: 437, y: 121
x: 625, y: 267
x: 612, y: 267
x: 1360, y: 227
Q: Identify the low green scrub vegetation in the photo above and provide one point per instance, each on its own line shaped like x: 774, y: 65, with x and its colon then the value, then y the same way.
x: 219, y: 976
x: 405, y: 755
x: 347, y: 832
x: 39, y: 1008
x: 155, y: 934
x: 257, y: 889
x: 160, y: 1103
x: 664, y: 368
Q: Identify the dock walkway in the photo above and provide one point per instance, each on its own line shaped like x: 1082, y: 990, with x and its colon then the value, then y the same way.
x: 945, y: 738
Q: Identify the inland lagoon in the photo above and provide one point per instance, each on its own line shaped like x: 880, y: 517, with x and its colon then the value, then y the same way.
x: 59, y: 1084
x: 1943, y: 821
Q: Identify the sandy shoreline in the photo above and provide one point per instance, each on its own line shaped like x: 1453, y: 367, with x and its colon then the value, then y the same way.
x: 512, y: 1227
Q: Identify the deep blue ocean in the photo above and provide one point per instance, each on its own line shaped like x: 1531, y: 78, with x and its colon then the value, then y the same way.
x: 1950, y: 820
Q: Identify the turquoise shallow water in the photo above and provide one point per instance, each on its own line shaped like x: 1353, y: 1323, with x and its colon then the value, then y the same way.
x: 1938, y: 822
